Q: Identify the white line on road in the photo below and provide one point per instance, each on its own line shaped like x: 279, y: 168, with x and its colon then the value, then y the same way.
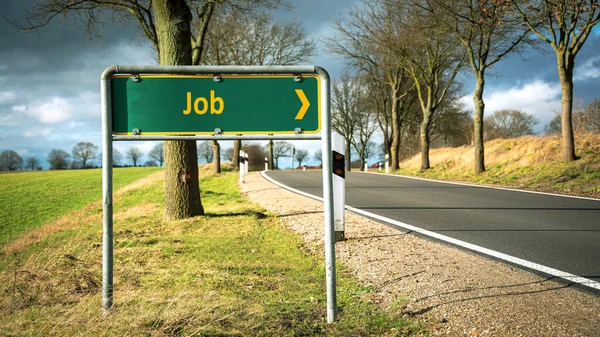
x: 485, y: 251
x: 482, y: 186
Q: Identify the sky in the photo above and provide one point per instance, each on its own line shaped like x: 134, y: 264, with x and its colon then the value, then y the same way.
x: 50, y: 78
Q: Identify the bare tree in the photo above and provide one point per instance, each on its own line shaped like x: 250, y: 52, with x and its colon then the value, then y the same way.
x: 509, y: 123
x: 84, y: 151
x: 10, y: 161
x: 366, y: 126
x: 134, y: 154
x: 564, y: 26
x: 256, y: 156
x: 58, y: 159
x: 270, y: 154
x: 205, y: 151
x: 433, y: 60
x: 32, y: 163
x: 318, y: 155
x: 228, y: 154
x: 177, y: 30
x: 116, y: 157
x: 158, y: 154
x: 363, y: 39
x: 281, y: 149
x: 452, y: 125
x: 239, y: 39
x: 216, y: 150
x: 488, y: 31
x: 346, y: 110
x: 301, y: 156
x: 585, y: 119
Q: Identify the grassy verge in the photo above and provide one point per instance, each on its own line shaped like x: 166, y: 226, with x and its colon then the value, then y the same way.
x: 233, y: 272
x: 528, y: 162
x: 30, y: 199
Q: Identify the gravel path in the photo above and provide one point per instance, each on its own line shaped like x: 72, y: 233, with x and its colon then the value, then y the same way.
x: 450, y: 291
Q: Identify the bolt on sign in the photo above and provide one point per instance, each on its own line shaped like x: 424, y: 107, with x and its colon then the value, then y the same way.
x: 199, y: 104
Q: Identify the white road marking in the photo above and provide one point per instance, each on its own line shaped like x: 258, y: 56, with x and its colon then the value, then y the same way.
x: 482, y: 250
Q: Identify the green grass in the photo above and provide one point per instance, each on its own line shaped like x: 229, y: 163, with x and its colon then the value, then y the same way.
x: 30, y: 199
x: 232, y: 272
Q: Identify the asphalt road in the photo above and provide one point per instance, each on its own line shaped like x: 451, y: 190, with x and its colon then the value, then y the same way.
x: 557, y: 232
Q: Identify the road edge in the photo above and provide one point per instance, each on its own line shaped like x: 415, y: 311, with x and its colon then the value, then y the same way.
x: 584, y: 282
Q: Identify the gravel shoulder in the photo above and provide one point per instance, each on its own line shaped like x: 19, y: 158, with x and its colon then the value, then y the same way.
x: 450, y: 291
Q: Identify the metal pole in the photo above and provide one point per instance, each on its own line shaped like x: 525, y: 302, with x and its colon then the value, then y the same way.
x: 107, y: 147
x: 328, y: 195
x: 107, y: 187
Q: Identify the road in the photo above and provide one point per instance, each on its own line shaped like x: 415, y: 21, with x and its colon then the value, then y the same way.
x: 558, y: 232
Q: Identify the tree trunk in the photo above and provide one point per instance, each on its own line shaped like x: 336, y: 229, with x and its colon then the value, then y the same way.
x: 425, y: 140
x: 182, y: 192
x: 478, y: 124
x: 363, y: 161
x: 270, y: 155
x: 216, y: 148
x: 396, y: 134
x: 182, y: 188
x: 565, y: 74
x: 235, y: 158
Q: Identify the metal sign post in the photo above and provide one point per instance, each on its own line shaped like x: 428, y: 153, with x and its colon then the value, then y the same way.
x: 141, y: 103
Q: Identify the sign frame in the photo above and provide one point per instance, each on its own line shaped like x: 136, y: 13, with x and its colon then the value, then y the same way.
x: 108, y: 138
x: 264, y: 97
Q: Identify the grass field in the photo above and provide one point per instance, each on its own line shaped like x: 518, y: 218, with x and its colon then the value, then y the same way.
x: 232, y: 272
x: 30, y: 199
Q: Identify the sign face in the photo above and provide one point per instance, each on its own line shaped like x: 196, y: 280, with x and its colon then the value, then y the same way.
x: 236, y: 104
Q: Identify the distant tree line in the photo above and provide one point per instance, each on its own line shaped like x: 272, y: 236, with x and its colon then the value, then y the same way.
x: 83, y: 155
x: 257, y: 154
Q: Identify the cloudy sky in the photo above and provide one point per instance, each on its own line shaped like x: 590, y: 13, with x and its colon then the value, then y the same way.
x: 50, y: 88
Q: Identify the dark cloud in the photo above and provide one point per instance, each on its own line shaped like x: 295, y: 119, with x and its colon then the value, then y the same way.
x: 56, y: 69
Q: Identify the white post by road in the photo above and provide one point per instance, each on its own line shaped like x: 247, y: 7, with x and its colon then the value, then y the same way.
x: 366, y: 166
x: 247, y: 163
x: 338, y: 145
x: 242, y: 169
x: 266, y: 164
x: 387, y: 163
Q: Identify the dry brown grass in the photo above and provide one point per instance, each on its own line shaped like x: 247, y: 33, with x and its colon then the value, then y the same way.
x: 530, y: 162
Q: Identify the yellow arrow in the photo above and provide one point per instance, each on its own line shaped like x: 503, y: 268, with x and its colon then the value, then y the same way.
x: 305, y: 104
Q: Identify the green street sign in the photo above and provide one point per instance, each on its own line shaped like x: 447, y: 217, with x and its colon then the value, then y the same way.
x: 235, y: 104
